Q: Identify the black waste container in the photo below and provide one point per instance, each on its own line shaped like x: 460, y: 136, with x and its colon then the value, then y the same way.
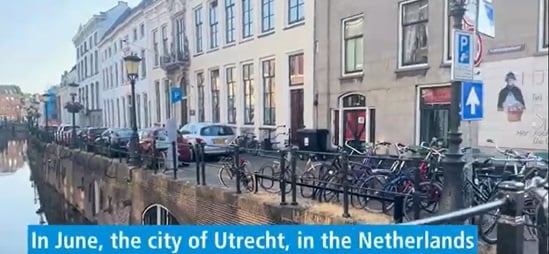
x: 314, y: 140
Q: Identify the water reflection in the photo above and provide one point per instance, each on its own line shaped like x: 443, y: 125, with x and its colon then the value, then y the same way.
x: 24, y: 199
x: 12, y: 155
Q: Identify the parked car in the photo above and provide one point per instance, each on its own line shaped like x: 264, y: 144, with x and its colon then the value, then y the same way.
x: 156, y: 139
x: 88, y: 135
x: 66, y: 135
x: 58, y: 136
x: 112, y: 142
x: 216, y: 137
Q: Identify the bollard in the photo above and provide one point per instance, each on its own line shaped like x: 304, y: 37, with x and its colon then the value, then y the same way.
x: 293, y: 164
x: 174, y: 159
x: 236, y: 167
x: 416, y: 194
x: 196, y: 154
x: 398, y: 213
x: 510, y: 231
x: 203, y: 163
x: 345, y: 169
x: 282, y: 179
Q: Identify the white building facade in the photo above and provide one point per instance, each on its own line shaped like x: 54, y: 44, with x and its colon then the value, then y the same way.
x: 86, y: 42
x: 252, y: 63
x: 63, y: 94
x: 127, y: 36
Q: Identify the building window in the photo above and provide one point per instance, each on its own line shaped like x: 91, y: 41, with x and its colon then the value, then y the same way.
x: 295, y: 11
x: 155, y: 48
x: 249, y: 101
x: 167, y: 101
x: 247, y: 19
x: 269, y: 100
x: 267, y: 15
x: 143, y: 64
x: 97, y: 93
x: 296, y: 69
x: 138, y: 109
x: 198, y: 29
x: 157, y: 100
x: 448, y: 35
x: 413, y: 36
x: 124, y: 109
x: 214, y: 75
x: 96, y: 54
x: 180, y: 38
x: 434, y: 112
x: 116, y: 74
x: 118, y: 112
x: 135, y: 34
x: 146, y: 109
x: 142, y: 31
x: 213, y: 25
x: 229, y: 21
x: 231, y: 89
x: 165, y: 40
x: 353, y: 45
x: 200, y: 87
x: 544, y: 25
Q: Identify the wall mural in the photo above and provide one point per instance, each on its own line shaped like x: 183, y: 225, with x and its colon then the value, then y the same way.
x: 516, y: 96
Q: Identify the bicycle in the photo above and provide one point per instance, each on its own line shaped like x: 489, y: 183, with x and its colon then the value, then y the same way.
x: 227, y: 173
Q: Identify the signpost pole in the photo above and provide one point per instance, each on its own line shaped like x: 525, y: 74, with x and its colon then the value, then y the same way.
x: 452, y: 195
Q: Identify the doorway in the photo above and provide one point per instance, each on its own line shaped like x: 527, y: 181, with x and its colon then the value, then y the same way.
x: 434, y: 113
x: 351, y: 122
x: 296, y: 113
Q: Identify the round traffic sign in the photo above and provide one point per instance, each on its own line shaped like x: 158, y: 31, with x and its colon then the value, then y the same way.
x: 479, y: 47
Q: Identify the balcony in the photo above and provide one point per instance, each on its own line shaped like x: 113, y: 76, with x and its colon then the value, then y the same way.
x: 174, y: 61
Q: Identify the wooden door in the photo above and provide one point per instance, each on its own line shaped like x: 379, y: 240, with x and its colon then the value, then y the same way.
x: 296, y: 115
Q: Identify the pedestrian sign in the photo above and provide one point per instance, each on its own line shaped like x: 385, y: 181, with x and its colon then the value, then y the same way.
x: 472, y: 101
x: 463, y: 57
x: 176, y: 95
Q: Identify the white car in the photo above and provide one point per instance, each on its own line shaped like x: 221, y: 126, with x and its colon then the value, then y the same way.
x: 216, y: 137
x: 60, y: 130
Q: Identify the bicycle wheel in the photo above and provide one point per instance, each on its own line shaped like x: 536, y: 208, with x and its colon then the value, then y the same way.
x: 247, y: 181
x: 267, y: 184
x: 371, y: 193
x: 307, y: 180
x: 333, y: 188
x: 225, y: 175
x: 487, y: 225
x: 429, y: 198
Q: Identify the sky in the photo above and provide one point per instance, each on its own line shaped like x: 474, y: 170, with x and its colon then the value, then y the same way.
x: 36, y: 39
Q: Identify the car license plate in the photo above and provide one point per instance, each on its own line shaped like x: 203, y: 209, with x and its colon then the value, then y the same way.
x: 219, y: 141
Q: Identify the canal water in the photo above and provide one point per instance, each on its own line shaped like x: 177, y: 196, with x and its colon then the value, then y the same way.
x: 23, y: 201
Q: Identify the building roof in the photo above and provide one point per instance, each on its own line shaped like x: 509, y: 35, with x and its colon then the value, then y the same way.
x: 10, y: 89
x: 125, y: 16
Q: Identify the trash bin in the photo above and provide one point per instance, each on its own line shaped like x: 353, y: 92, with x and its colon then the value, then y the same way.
x: 314, y: 140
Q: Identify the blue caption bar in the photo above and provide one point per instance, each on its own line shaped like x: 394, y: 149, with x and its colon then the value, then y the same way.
x: 315, y: 239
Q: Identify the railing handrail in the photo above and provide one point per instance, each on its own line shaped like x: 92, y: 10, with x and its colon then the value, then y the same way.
x: 460, y: 214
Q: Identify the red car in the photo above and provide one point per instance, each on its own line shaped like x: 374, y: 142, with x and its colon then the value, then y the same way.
x: 148, y: 139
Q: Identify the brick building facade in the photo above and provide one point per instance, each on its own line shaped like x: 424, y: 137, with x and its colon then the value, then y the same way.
x: 10, y: 102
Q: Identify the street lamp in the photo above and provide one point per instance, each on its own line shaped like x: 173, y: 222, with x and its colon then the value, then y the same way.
x: 132, y: 67
x: 45, y: 99
x: 452, y: 195
x: 73, y: 109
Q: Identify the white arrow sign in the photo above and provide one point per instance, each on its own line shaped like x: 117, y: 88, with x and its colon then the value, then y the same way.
x: 473, y: 101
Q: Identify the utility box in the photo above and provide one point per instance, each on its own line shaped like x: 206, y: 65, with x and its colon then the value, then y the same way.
x: 314, y: 140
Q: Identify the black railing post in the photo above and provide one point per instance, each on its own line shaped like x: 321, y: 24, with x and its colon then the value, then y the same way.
x: 236, y: 167
x: 282, y: 179
x: 398, y: 213
x: 345, y: 169
x: 416, y: 194
x: 510, y: 231
x: 293, y: 164
x: 203, y: 163
x: 174, y: 154
x: 542, y: 223
x: 196, y: 154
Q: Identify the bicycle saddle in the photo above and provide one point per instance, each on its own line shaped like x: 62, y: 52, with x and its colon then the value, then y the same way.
x: 482, y: 164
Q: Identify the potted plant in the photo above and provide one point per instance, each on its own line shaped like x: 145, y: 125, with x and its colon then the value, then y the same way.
x: 74, y: 107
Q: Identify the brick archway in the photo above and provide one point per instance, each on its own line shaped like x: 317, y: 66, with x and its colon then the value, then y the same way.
x: 157, y: 214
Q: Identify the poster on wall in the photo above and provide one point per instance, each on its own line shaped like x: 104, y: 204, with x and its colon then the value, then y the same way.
x: 516, y: 95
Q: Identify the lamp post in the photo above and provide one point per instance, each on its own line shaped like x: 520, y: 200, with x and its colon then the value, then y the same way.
x: 132, y: 66
x: 73, y: 112
x: 45, y: 99
x: 452, y: 194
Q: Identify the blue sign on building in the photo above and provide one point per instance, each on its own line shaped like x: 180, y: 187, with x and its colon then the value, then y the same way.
x: 176, y: 94
x: 472, y: 101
